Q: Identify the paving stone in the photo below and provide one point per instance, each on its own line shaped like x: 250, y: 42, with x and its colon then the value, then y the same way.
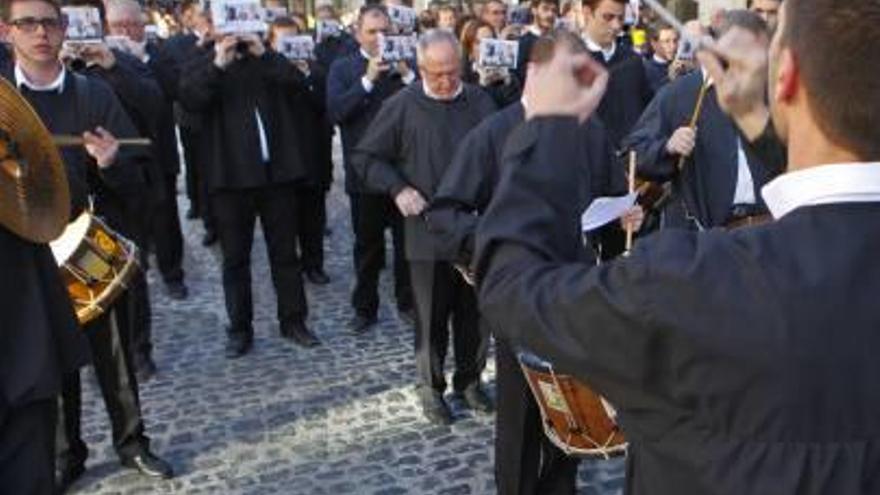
x: 340, y: 419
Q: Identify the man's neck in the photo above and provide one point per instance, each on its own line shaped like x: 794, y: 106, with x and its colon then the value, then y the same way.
x: 604, y: 46
x: 41, y: 73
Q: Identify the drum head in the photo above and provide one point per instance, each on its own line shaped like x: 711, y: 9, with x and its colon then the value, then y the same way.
x: 64, y: 247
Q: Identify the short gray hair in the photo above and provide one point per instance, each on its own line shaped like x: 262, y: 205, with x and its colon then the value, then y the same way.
x: 433, y: 37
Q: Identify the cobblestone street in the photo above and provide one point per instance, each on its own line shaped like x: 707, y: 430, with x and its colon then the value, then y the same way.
x: 340, y: 419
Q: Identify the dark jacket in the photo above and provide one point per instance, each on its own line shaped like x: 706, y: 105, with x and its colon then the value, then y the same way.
x: 229, y: 100
x: 411, y: 143
x: 627, y: 95
x: 656, y: 72
x: 738, y: 362
x: 351, y: 108
x: 706, y: 184
x: 502, y: 93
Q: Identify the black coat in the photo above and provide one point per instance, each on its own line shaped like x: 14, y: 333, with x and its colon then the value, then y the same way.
x: 351, y: 108
x: 333, y: 48
x: 628, y: 93
x: 657, y: 73
x: 738, y: 362
x: 526, y: 43
x: 502, y: 93
x: 228, y: 101
x: 707, y: 182
x: 411, y: 143
x: 164, y: 136
x: 469, y: 184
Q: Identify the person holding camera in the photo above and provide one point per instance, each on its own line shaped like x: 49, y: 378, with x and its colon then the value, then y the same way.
x: 357, y: 85
x: 254, y: 168
x: 499, y: 82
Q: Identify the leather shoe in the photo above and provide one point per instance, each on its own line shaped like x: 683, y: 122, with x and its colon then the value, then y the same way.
x: 361, y: 323
x: 317, y: 277
x: 477, y: 399
x: 66, y: 475
x: 238, y: 346
x: 177, y: 290
x: 435, y: 408
x: 209, y: 239
x: 150, y: 465
x: 299, y: 334
x: 407, y: 316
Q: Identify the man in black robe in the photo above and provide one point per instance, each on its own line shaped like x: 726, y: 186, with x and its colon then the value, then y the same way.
x: 738, y: 362
x: 73, y: 104
x: 664, y: 45
x: 629, y: 90
x: 526, y: 461
x: 719, y: 181
x: 404, y: 154
x: 356, y: 87
x: 255, y: 164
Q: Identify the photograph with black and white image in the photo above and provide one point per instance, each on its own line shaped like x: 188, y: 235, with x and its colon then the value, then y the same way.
x: 298, y: 47
x: 238, y: 16
x: 498, y: 53
x: 83, y: 24
x: 397, y: 48
x: 272, y: 13
x: 327, y: 28
x: 403, y: 19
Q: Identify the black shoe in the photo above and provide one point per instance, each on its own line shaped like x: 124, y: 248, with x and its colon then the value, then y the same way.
x: 67, y: 475
x: 149, y: 465
x: 145, y: 369
x: 299, y: 334
x: 361, y: 323
x: 317, y: 277
x: 209, y: 239
x: 435, y: 408
x: 477, y: 399
x: 407, y: 316
x: 238, y: 346
x: 177, y: 290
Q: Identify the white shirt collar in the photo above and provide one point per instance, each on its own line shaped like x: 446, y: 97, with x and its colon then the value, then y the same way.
x: 535, y: 30
x: 843, y: 183
x: 595, y: 47
x: 432, y: 96
x: 57, y: 85
x: 660, y: 60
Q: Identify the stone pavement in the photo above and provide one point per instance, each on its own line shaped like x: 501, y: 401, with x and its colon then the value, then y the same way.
x: 339, y: 419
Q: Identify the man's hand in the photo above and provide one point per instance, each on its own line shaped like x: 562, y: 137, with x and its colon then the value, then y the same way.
x: 569, y: 85
x: 102, y: 146
x: 375, y: 68
x: 98, y: 54
x: 682, y: 142
x: 410, y: 202
x: 742, y: 85
x: 633, y: 219
x: 302, y: 66
x: 254, y: 43
x: 403, y: 69
x: 224, y: 51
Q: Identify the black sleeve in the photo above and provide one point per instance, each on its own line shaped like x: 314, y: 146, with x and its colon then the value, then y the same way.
x: 137, y: 89
x: 378, y: 152
x: 200, y: 83
x: 648, y: 139
x: 463, y: 193
x: 346, y: 97
x: 769, y: 149
x: 277, y: 69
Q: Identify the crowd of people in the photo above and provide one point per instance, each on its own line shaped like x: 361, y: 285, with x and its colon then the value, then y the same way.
x: 480, y: 173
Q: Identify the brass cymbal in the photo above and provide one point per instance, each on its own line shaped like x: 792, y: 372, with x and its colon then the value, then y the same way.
x: 34, y: 193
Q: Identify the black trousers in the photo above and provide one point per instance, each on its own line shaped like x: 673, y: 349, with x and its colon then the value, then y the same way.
x: 526, y: 462
x: 312, y: 218
x: 195, y: 153
x: 371, y: 214
x: 107, y: 338
x: 441, y: 296
x: 27, y: 448
x: 139, y: 327
x: 236, y: 212
x: 165, y: 232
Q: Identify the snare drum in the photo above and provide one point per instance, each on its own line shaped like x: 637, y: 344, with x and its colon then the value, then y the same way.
x: 575, y: 418
x: 96, y: 264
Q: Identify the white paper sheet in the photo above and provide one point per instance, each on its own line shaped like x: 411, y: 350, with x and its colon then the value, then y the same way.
x: 603, y: 211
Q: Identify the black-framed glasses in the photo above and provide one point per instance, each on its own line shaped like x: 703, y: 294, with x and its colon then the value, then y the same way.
x: 30, y: 24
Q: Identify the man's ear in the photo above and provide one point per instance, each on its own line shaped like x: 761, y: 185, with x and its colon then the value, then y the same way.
x: 787, y: 77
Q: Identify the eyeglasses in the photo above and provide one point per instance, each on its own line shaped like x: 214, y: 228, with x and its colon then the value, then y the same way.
x: 30, y: 24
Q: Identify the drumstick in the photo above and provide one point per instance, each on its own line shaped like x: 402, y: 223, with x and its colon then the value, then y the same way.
x: 64, y: 140
x: 632, y: 189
